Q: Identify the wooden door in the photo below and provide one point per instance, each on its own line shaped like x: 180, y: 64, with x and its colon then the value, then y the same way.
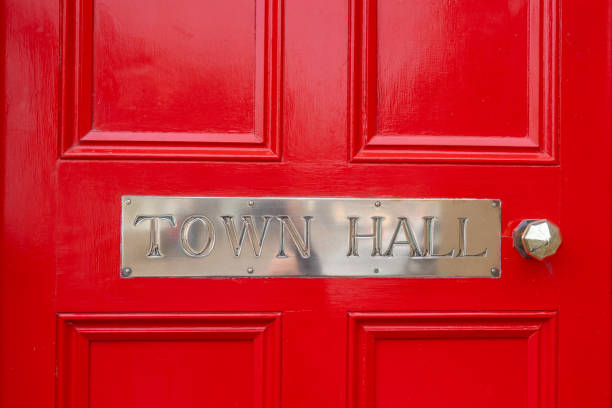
x: 504, y: 99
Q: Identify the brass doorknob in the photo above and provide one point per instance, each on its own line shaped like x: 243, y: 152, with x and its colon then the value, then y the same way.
x: 537, y: 239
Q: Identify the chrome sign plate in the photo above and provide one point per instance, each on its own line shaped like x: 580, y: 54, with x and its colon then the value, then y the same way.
x: 309, y: 237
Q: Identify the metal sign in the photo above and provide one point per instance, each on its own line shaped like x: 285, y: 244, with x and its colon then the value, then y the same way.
x: 309, y: 237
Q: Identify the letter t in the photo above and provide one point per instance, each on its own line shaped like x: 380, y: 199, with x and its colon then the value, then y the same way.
x: 154, y: 240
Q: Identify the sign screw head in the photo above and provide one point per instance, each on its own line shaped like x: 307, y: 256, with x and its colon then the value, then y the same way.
x: 377, y: 204
x: 125, y: 272
x: 128, y: 202
x: 494, y: 272
x: 250, y: 270
x: 376, y: 270
x: 251, y: 203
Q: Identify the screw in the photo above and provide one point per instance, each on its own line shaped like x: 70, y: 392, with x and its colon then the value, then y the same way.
x: 250, y: 270
x: 251, y: 203
x: 376, y: 270
x: 494, y: 203
x: 128, y: 202
x: 377, y: 204
x: 125, y: 272
x: 495, y: 272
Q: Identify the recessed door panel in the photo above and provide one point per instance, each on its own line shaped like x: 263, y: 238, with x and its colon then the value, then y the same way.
x: 162, y: 66
x: 460, y: 359
x: 454, y: 81
x: 188, y: 79
x: 162, y: 360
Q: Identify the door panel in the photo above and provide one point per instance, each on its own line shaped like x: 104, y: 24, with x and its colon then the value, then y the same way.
x: 187, y: 80
x: 467, y: 359
x: 506, y: 100
x: 169, y: 359
x: 440, y: 68
x: 468, y: 82
x: 154, y: 63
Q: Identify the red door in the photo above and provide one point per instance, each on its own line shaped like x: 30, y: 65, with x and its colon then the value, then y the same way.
x: 413, y: 99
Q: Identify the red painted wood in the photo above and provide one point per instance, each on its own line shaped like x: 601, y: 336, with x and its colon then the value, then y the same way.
x: 440, y: 349
x: 169, y: 359
x: 454, y: 93
x: 62, y: 179
x: 29, y: 144
x: 129, y: 92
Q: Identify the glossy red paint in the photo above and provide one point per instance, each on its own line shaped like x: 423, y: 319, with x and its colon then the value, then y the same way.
x: 439, y: 348
x: 493, y: 112
x: 347, y: 98
x: 136, y: 95
x: 185, y: 357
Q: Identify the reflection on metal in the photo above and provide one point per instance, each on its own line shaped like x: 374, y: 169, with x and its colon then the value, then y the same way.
x: 537, y: 239
x: 309, y: 237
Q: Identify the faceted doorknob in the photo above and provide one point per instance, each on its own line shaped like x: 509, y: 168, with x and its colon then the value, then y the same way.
x: 537, y: 239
